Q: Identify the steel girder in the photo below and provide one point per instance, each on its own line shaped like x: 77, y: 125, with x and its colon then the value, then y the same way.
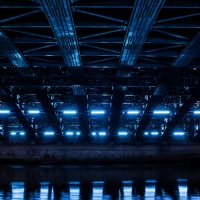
x: 60, y: 18
x: 10, y: 51
x: 141, y: 21
x: 183, y: 60
x: 183, y: 110
x: 143, y: 15
x: 49, y: 110
x: 10, y: 102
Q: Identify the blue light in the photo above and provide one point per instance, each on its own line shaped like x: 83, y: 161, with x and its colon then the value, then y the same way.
x: 78, y: 133
x: 4, y: 111
x: 122, y: 133
x: 97, y: 112
x: 69, y: 112
x: 197, y: 112
x: 33, y: 111
x: 93, y: 133
x: 13, y: 133
x: 146, y: 133
x: 102, y: 133
x: 154, y: 133
x: 22, y: 133
x: 133, y: 112
x: 69, y: 133
x: 179, y: 133
x: 161, y: 112
x: 49, y: 133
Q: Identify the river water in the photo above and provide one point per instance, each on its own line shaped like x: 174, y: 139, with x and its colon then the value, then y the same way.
x: 99, y: 182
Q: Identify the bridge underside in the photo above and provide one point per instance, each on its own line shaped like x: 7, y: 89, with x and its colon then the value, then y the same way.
x: 124, y: 72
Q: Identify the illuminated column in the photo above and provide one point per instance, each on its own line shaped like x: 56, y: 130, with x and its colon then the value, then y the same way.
x: 17, y: 190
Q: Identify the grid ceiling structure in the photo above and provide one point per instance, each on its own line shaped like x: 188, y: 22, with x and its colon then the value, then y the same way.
x: 85, y: 55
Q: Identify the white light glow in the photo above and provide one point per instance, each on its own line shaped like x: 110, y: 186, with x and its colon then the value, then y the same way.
x: 179, y: 133
x: 78, y: 133
x: 13, y: 133
x: 93, y: 133
x: 69, y: 133
x: 33, y: 111
x: 102, y: 133
x: 131, y: 112
x: 127, y: 192
x: 22, y: 133
x: 154, y: 133
x: 122, y: 133
x: 17, y: 190
x: 197, y: 112
x: 97, y: 112
x: 97, y: 193
x: 69, y: 111
x: 150, y: 191
x: 4, y: 111
x: 146, y: 133
x: 49, y: 133
x: 183, y: 190
x: 74, y: 192
x: 161, y: 112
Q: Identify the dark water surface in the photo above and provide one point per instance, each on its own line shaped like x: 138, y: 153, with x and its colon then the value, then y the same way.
x: 109, y: 182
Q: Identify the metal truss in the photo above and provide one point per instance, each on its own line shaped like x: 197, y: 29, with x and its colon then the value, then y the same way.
x: 61, y: 21
x: 109, y: 55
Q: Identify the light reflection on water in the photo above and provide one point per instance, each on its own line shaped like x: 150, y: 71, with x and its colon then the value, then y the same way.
x: 99, y: 183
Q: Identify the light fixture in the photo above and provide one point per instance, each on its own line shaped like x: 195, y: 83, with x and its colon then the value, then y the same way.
x: 13, y: 133
x: 132, y: 112
x: 49, y: 133
x: 69, y: 111
x: 97, y: 112
x: 102, y: 133
x: 33, y: 111
x: 93, y: 133
x: 179, y: 133
x: 69, y: 133
x: 146, y: 133
x: 78, y: 133
x: 197, y: 112
x: 22, y: 133
x: 4, y: 111
x: 154, y: 133
x: 122, y: 133
x: 161, y: 112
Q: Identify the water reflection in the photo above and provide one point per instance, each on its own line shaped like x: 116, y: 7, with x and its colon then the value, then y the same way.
x: 99, y: 182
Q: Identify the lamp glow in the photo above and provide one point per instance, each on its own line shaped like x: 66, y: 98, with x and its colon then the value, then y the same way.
x: 154, y: 133
x: 49, y: 133
x: 22, y: 133
x: 97, y: 112
x: 122, y: 133
x: 161, y: 112
x: 78, y: 133
x: 69, y: 133
x: 13, y: 133
x: 69, y: 111
x: 33, y: 111
x: 179, y: 133
x: 197, y: 112
x: 102, y: 133
x: 132, y: 112
x: 4, y: 111
x: 93, y: 133
x: 146, y: 133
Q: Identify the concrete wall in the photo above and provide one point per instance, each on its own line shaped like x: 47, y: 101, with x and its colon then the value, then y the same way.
x: 98, y: 153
